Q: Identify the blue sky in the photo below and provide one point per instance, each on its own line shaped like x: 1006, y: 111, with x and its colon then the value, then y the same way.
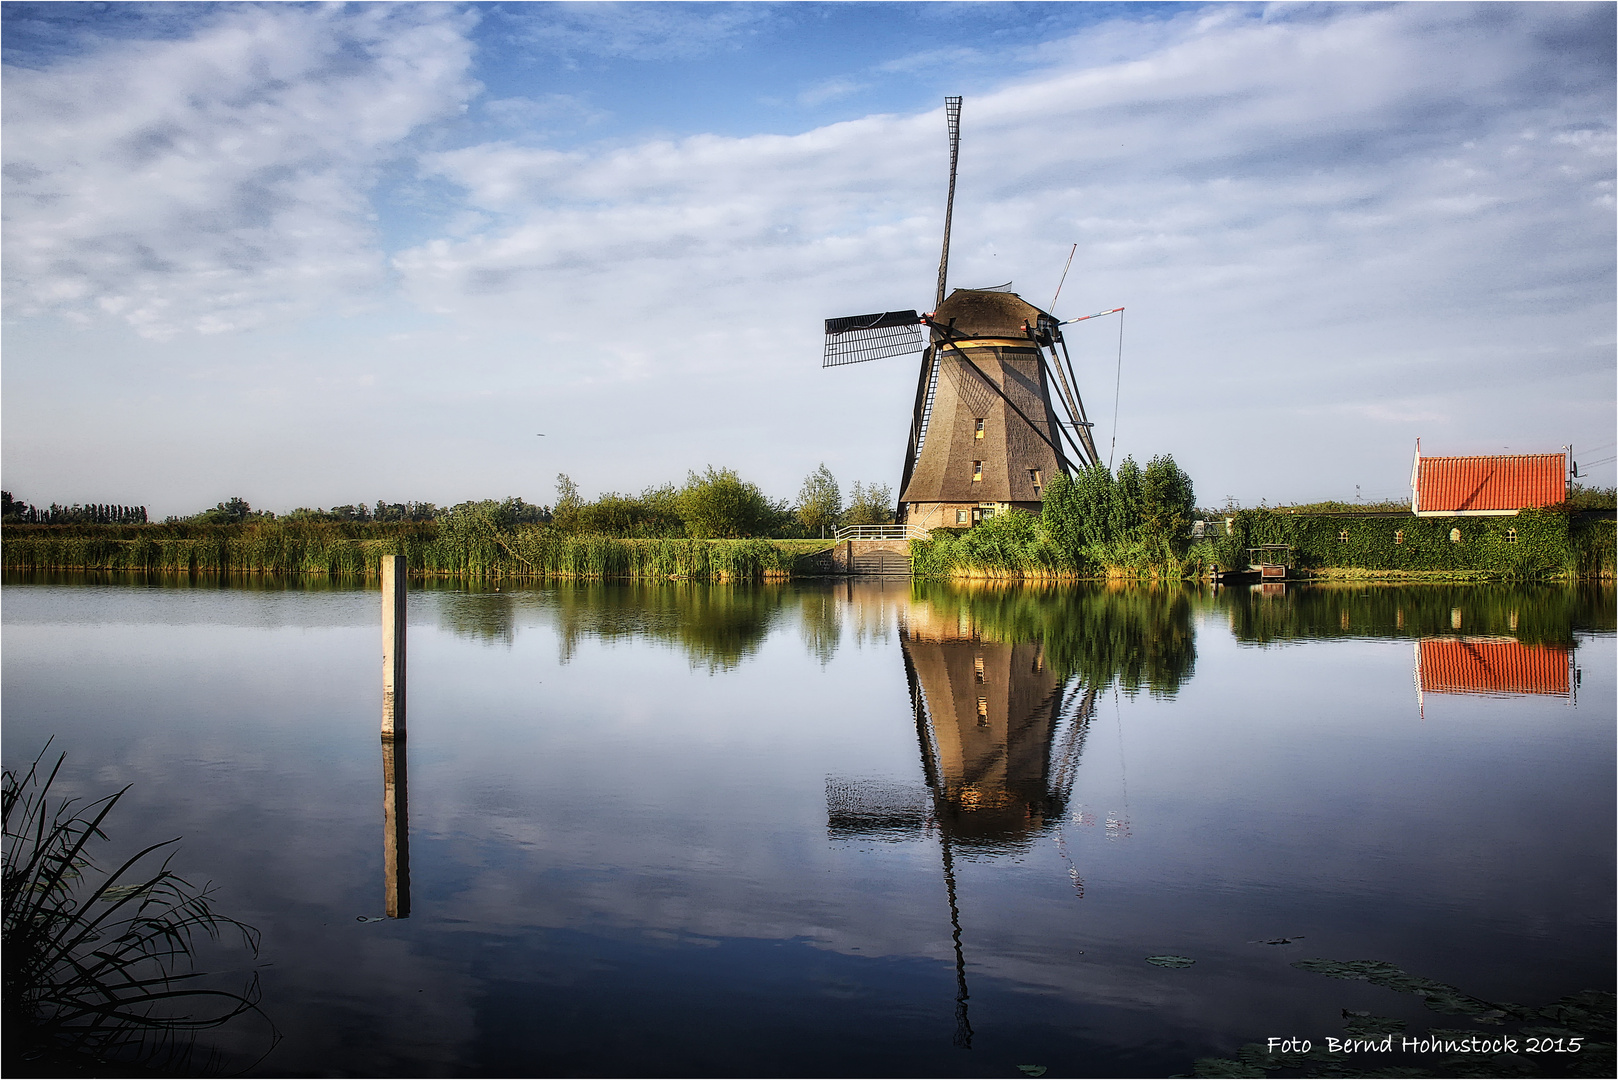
x: 313, y: 255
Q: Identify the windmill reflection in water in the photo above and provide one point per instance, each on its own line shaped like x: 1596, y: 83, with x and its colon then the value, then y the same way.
x: 1000, y: 735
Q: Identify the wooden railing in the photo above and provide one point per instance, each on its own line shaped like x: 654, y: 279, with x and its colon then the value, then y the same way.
x: 881, y: 532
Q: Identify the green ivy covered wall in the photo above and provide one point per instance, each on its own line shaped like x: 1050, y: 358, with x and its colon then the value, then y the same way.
x: 1532, y: 544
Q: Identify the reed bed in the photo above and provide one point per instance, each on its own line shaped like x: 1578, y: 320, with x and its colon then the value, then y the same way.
x: 341, y: 550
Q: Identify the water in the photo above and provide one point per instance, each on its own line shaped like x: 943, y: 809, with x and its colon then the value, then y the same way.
x: 694, y: 830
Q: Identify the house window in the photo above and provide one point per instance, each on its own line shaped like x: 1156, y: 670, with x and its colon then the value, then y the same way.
x: 977, y: 430
x: 963, y: 517
x: 1399, y: 536
x: 1511, y: 538
x: 1342, y: 536
x: 1455, y: 536
x: 977, y: 668
x: 983, y: 712
x: 977, y: 471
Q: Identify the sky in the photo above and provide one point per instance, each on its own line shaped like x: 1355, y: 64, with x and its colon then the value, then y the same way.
x: 312, y: 255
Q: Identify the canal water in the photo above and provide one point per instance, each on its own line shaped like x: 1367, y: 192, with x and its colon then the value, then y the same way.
x: 870, y: 828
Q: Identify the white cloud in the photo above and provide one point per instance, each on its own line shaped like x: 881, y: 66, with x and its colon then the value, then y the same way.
x: 203, y: 183
x: 829, y: 90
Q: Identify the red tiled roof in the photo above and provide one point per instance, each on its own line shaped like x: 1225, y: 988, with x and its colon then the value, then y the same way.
x: 1491, y: 483
x: 1492, y: 667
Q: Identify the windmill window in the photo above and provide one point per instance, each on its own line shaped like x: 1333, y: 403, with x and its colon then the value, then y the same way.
x: 977, y: 471
x: 1034, y: 478
x: 977, y: 431
x: 1342, y: 537
x: 983, y: 712
x: 1511, y: 538
x: 1399, y: 536
x: 963, y: 517
x: 1455, y: 536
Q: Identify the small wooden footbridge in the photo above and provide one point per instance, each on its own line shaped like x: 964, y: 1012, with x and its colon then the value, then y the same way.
x: 871, y: 551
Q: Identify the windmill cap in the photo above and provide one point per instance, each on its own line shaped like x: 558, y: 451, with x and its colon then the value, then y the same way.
x: 988, y: 313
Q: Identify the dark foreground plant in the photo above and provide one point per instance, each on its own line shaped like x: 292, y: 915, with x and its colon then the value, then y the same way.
x: 96, y: 964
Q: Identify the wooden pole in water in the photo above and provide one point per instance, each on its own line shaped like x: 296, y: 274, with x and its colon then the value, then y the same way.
x: 395, y: 769
x: 393, y: 647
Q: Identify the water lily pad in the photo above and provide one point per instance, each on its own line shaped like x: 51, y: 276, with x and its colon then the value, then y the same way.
x: 1170, y: 961
x: 1032, y: 1070
x: 1589, y: 1012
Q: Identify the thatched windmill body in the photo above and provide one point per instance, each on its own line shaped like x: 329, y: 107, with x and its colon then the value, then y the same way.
x: 986, y: 433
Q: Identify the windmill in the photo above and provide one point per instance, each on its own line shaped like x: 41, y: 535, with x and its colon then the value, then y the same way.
x: 985, y: 434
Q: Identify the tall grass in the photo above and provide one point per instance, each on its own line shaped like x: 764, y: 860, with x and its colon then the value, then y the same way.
x: 341, y: 549
x: 96, y: 962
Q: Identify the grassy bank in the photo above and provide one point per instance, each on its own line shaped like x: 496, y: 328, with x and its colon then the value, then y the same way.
x: 355, y: 550
x: 1018, y: 546
x: 1534, y: 545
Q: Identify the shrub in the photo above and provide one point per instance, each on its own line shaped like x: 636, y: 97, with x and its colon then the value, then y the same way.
x: 719, y: 503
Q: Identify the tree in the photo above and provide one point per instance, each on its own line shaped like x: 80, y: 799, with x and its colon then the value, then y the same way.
x: 872, y: 505
x: 1123, y: 515
x: 233, y: 511
x: 820, y: 503
x: 1166, y: 504
x: 565, y: 515
x: 719, y: 503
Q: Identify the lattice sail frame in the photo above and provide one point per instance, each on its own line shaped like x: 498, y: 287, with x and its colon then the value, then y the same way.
x: 854, y: 339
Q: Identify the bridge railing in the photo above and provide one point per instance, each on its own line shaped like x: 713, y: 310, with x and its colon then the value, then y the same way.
x: 881, y: 532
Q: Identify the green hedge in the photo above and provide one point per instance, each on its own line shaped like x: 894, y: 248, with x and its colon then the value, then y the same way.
x: 1532, y: 544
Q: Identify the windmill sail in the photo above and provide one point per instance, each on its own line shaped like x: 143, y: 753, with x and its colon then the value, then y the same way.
x: 952, y: 116
x: 856, y: 338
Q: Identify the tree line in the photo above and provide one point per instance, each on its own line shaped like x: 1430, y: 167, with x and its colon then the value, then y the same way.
x: 715, y: 503
x: 17, y: 512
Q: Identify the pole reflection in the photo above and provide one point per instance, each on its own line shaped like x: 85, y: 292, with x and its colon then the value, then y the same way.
x: 395, y: 829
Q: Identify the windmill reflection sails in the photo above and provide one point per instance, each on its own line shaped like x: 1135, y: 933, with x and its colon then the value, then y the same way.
x: 1000, y: 734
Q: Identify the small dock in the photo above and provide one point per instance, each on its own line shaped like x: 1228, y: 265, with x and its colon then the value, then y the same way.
x: 1269, y: 564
